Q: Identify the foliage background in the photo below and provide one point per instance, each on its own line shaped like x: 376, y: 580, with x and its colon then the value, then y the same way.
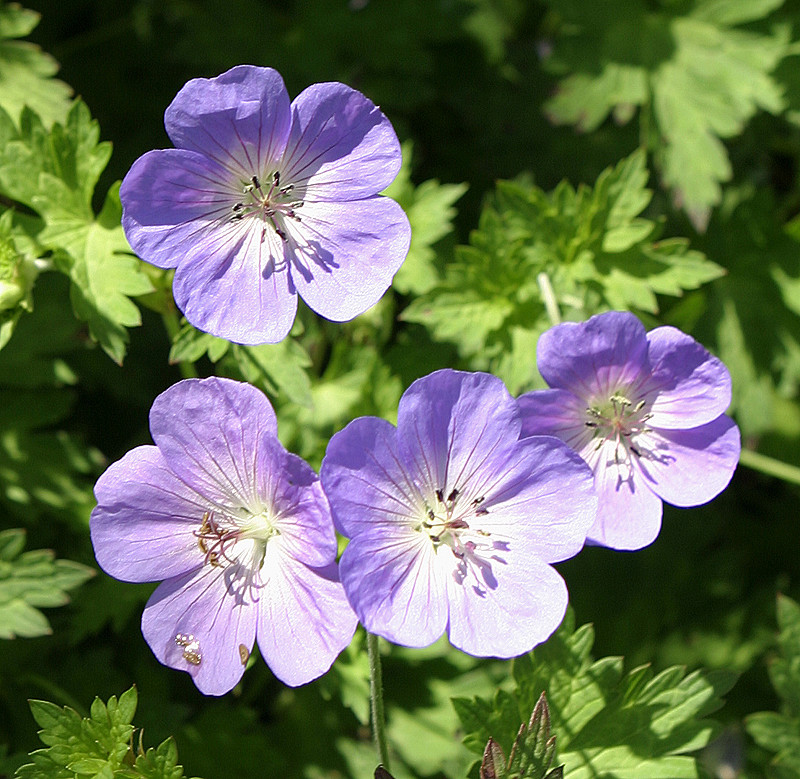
x: 677, y: 124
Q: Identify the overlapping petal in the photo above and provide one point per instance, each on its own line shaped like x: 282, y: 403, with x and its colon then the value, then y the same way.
x: 397, y: 585
x: 340, y: 144
x: 450, y: 423
x: 522, y: 610
x: 346, y: 254
x: 174, y: 201
x: 304, y: 619
x: 690, y: 467
x: 593, y: 357
x: 143, y: 529
x: 628, y: 511
x: 240, y: 119
x: 691, y: 386
x: 210, y: 432
x: 237, y: 285
x: 200, y: 613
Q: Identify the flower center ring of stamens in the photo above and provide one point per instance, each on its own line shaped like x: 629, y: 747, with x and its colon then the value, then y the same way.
x: 217, y: 539
x: 619, y: 420
x: 274, y: 205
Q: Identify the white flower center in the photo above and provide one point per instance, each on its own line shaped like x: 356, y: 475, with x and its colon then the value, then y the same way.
x: 620, y: 421
x: 451, y: 521
x: 273, y: 205
x: 225, y: 540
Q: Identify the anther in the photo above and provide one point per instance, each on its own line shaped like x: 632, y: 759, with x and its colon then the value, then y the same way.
x: 452, y: 496
x: 440, y: 496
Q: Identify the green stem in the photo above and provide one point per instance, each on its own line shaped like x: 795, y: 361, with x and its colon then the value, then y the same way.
x: 376, y: 699
x: 770, y: 466
x: 549, y: 298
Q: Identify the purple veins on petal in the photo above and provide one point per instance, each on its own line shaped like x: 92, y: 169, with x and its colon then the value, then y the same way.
x: 644, y: 410
x: 446, y: 514
x: 237, y: 528
x: 263, y: 200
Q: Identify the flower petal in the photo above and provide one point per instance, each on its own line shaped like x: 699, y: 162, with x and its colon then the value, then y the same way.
x: 523, y: 607
x: 343, y: 256
x: 629, y: 512
x: 304, y: 619
x: 395, y: 583
x: 210, y: 431
x: 593, y: 358
x: 693, y: 386
x: 236, y: 285
x: 295, y: 500
x: 544, y: 501
x: 173, y: 201
x: 143, y: 526
x: 690, y: 467
x: 451, y: 426
x: 341, y: 146
x: 240, y: 119
x: 365, y: 481
x: 197, y: 623
x: 555, y: 412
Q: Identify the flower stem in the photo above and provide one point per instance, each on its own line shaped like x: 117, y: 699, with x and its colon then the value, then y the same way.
x: 376, y: 699
x: 770, y: 466
x: 549, y: 298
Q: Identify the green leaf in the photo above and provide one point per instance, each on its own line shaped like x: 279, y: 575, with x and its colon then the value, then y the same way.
x: 189, y: 345
x: 32, y: 580
x: 279, y: 369
x: 779, y: 732
x: 100, y: 745
x: 609, y: 723
x: 26, y: 72
x: 430, y: 211
x: 538, y: 256
x: 696, y: 77
x: 55, y: 172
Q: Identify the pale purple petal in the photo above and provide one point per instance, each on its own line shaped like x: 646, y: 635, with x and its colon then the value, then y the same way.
x: 690, y: 467
x: 200, y: 616
x: 555, y: 412
x: 450, y: 422
x: 174, y: 200
x: 341, y: 145
x: 522, y: 609
x: 628, y: 511
x: 236, y: 285
x: 305, y: 620
x: 396, y: 584
x: 292, y: 495
x: 543, y: 499
x: 595, y: 357
x: 365, y: 481
x: 691, y: 386
x: 344, y: 255
x: 240, y: 119
x: 210, y: 431
x: 143, y: 528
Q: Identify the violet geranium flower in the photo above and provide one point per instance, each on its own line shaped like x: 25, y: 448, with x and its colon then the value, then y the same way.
x: 453, y: 520
x: 239, y: 531
x: 264, y: 199
x: 645, y: 410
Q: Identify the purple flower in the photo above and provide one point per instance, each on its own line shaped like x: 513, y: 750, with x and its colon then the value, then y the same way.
x: 239, y: 530
x: 453, y: 520
x: 264, y: 199
x: 645, y: 410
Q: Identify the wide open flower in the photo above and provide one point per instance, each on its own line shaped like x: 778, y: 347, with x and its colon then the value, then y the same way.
x: 239, y: 530
x: 645, y: 410
x: 264, y: 199
x: 453, y: 520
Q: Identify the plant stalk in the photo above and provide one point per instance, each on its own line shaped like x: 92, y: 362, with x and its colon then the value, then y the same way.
x: 376, y: 699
